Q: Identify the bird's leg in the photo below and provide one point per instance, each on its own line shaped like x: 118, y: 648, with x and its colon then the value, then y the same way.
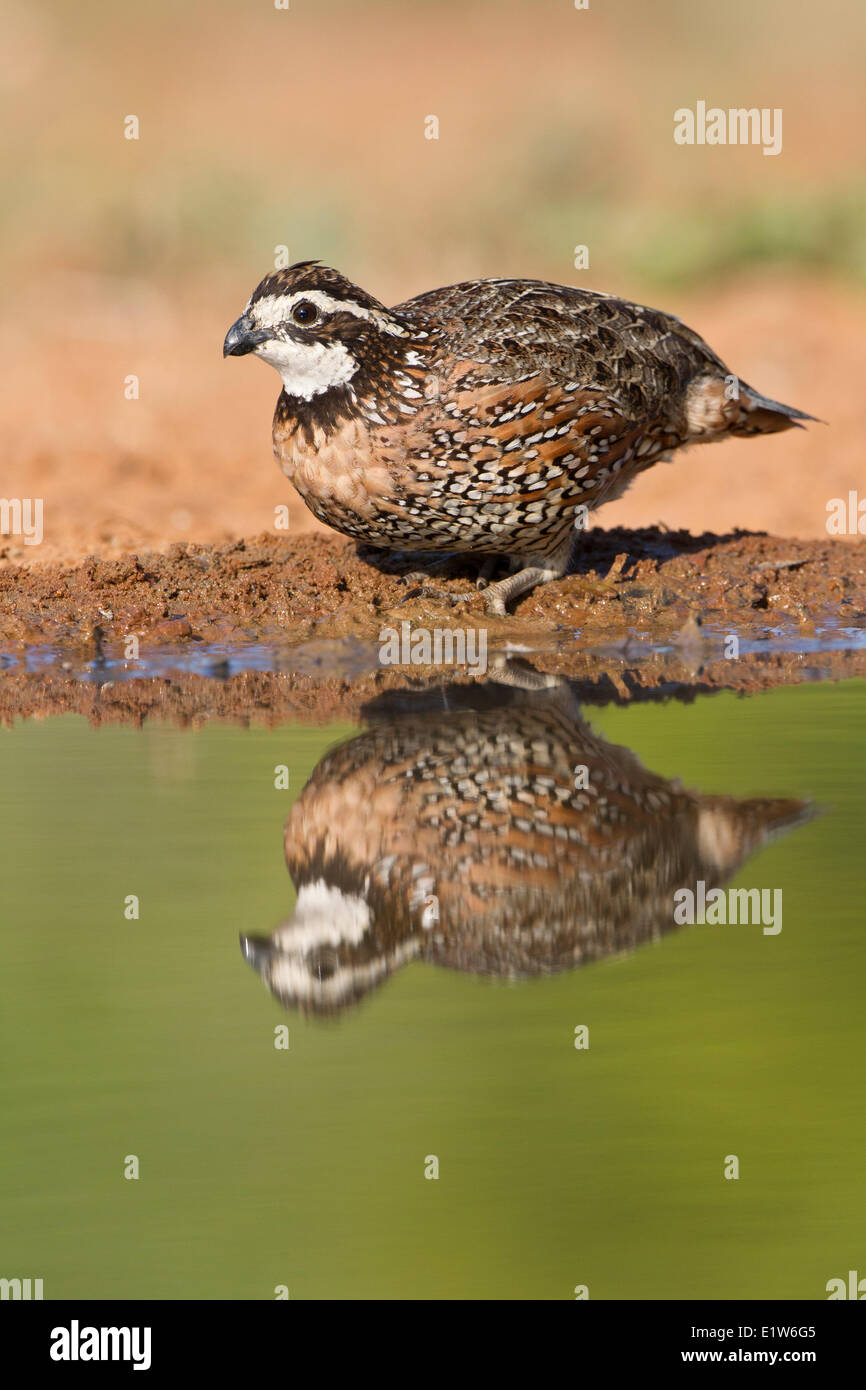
x: 486, y: 572
x: 497, y: 595
x: 389, y: 562
x: 424, y: 589
x: 538, y: 569
x: 505, y: 670
x: 419, y: 583
x: 431, y: 565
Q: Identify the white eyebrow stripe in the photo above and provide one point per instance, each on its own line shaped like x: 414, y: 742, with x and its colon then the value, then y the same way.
x: 273, y: 309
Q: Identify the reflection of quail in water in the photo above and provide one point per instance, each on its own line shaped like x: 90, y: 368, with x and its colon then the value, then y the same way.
x: 483, y: 417
x: 467, y: 838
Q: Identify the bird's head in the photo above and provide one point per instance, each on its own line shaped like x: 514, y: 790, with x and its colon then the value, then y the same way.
x: 316, y: 328
x: 336, y: 948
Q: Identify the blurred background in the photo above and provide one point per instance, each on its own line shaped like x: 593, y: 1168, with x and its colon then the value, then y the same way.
x: 305, y: 128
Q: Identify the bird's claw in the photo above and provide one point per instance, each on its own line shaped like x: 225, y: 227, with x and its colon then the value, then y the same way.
x: 430, y: 591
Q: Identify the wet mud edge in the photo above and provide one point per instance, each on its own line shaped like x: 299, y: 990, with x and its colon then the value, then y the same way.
x: 642, y: 612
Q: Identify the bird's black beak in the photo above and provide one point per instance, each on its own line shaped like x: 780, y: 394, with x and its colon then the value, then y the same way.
x: 257, y: 950
x: 242, y: 337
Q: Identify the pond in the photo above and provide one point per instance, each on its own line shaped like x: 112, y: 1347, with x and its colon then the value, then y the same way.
x: 449, y: 1040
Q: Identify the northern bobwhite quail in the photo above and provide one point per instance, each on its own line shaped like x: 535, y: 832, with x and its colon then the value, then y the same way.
x: 487, y: 417
x: 499, y: 835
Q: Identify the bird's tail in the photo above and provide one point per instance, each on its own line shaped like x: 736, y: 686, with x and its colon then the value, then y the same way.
x: 760, y: 415
x: 717, y: 405
x: 730, y: 830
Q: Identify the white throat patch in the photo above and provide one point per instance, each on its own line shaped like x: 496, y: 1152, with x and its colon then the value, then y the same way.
x: 323, y: 916
x: 309, y: 369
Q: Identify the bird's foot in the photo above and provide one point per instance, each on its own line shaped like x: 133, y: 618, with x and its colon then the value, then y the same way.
x: 425, y: 590
x: 421, y: 586
x: 497, y: 596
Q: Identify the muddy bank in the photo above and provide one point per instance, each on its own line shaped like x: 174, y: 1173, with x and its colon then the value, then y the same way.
x: 268, y: 630
x: 650, y: 583
x: 265, y: 630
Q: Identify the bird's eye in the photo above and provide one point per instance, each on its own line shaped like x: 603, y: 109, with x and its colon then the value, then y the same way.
x: 304, y: 312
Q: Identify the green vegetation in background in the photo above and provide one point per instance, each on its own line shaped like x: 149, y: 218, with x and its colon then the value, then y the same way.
x: 561, y: 175
x: 222, y: 217
x: 819, y: 232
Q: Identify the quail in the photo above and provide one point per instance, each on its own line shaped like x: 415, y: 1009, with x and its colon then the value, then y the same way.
x: 498, y: 836
x: 487, y: 418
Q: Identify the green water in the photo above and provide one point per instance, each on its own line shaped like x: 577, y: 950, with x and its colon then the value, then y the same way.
x: 305, y: 1167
